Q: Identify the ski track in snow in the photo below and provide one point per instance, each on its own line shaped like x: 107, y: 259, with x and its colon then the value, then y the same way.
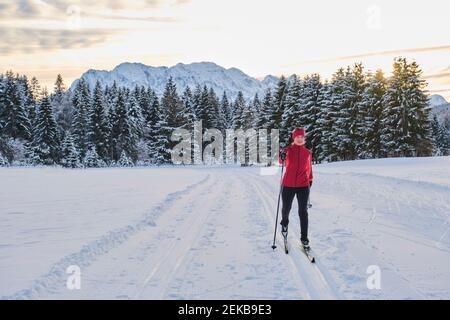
x: 212, y: 240
x: 54, y: 280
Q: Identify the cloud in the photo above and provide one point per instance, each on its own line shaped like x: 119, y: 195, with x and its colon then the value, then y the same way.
x: 58, y: 8
x: 28, y: 26
x: 385, y: 53
x: 22, y: 40
x: 147, y: 18
x: 440, y: 75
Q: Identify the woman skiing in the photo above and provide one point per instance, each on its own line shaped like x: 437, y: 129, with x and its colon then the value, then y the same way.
x: 296, y: 181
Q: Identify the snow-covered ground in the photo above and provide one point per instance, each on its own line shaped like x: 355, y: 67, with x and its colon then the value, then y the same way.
x: 205, y: 233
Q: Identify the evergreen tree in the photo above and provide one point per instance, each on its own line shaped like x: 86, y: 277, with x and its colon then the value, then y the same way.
x: 188, y: 106
x: 144, y: 100
x: 3, y: 161
x: 213, y: 116
x: 123, y: 138
x: 13, y: 114
x: 92, y: 159
x: 265, y: 111
x: 357, y: 84
x: 238, y: 111
x: 35, y: 88
x: 341, y: 113
x: 256, y: 108
x: 69, y: 153
x: 227, y: 111
x: 372, y: 110
x: 59, y: 91
x: 80, y: 127
x: 136, y: 117
x: 441, y: 136
x: 98, y: 131
x: 294, y: 111
x: 325, y: 123
x: 172, y: 106
x: 124, y: 160
x: 45, y: 146
x: 311, y: 101
x: 406, y: 127
x: 204, y: 110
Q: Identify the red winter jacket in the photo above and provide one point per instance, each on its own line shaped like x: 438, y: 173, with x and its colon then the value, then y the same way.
x: 298, y: 166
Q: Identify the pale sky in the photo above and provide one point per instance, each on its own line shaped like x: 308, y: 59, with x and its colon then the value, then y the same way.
x: 45, y: 37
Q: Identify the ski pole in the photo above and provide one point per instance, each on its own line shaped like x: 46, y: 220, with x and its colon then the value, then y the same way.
x: 278, y: 207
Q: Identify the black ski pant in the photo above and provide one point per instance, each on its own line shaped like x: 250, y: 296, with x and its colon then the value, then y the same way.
x: 288, y: 194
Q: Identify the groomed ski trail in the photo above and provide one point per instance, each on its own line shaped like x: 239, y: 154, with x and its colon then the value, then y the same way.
x: 318, y: 285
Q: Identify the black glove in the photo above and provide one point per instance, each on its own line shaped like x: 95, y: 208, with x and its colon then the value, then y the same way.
x: 310, y: 184
x: 283, y: 155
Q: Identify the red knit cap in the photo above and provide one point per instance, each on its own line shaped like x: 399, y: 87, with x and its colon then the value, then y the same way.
x: 298, y: 132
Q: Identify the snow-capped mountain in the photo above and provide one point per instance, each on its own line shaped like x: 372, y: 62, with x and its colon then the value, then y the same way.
x: 439, y: 107
x: 230, y: 80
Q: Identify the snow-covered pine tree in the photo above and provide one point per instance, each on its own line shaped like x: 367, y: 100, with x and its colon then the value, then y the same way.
x: 157, y: 137
x: 13, y: 113
x: 172, y: 106
x: 2, y: 103
x: 310, y: 100
x: 238, y: 111
x: 70, y: 157
x: 143, y: 98
x: 98, y: 131
x: 45, y: 145
x: 278, y: 106
x: 341, y: 113
x: 124, y: 160
x: 265, y: 110
x: 334, y: 120
x: 197, y: 101
x: 445, y: 127
x: 213, y: 114
x: 3, y: 161
x: 227, y: 110
x: 371, y: 111
x: 247, y: 119
x: 294, y: 112
x: 28, y: 102
x: 123, y: 137
x: 262, y: 123
x: 188, y: 107
x: 175, y: 115
x: 111, y: 96
x: 81, y: 102
x: 204, y: 110
x: 247, y: 115
x: 92, y: 159
x: 441, y: 136
x: 136, y: 117
x: 197, y: 130
x: 62, y: 106
x: 256, y: 108
x: 406, y: 127
x: 355, y: 92
x: 419, y: 110
x: 35, y: 92
x: 35, y: 88
x: 59, y: 91
x: 325, y: 123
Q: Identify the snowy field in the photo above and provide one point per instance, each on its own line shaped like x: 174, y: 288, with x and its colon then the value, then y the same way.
x: 206, y: 233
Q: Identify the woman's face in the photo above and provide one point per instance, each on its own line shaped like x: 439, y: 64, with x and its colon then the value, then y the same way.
x: 299, y: 140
